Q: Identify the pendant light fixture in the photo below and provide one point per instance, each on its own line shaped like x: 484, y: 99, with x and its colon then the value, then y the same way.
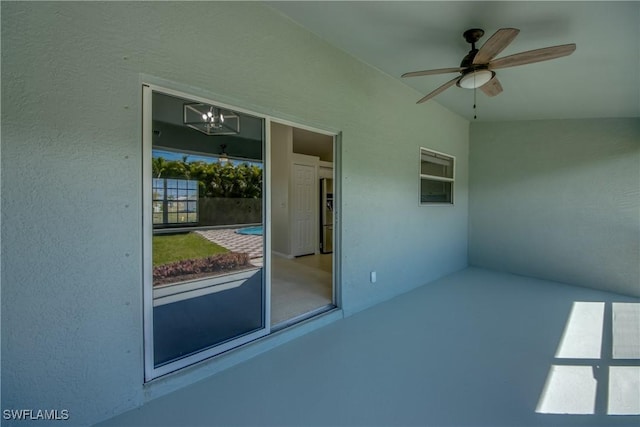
x: 211, y: 120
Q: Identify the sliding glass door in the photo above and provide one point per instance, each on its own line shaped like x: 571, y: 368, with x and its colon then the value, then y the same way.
x: 204, y: 210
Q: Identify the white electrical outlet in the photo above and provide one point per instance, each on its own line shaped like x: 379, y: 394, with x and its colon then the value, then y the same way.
x: 373, y: 277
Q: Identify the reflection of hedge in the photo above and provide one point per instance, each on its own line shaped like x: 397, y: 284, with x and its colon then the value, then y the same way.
x: 215, y: 179
x: 226, y: 211
x: 192, y: 268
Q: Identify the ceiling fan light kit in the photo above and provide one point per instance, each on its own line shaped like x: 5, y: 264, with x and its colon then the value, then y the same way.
x: 476, y: 68
x: 475, y: 78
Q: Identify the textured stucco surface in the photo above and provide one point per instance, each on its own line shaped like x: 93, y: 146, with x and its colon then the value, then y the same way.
x: 558, y: 200
x: 71, y: 176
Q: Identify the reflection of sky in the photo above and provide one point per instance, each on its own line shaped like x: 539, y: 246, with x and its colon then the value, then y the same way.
x: 172, y: 155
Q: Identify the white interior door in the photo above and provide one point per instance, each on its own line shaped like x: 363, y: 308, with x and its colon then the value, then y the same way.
x: 304, y: 209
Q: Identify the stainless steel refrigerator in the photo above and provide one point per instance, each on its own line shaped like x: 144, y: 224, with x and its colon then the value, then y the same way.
x: 326, y: 215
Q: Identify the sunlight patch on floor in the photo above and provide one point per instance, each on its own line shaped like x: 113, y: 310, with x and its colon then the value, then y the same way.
x: 626, y: 331
x: 582, y: 338
x: 569, y: 390
x: 624, y: 390
x: 581, y: 362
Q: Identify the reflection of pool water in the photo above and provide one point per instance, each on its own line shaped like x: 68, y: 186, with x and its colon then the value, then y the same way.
x: 253, y: 231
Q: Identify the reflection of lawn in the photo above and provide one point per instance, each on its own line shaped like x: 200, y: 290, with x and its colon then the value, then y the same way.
x: 177, y: 247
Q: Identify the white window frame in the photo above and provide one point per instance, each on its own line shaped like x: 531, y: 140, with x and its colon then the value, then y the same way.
x: 436, y: 178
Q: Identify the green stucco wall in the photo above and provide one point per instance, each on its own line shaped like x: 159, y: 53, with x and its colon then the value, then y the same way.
x: 72, y: 178
x: 558, y: 200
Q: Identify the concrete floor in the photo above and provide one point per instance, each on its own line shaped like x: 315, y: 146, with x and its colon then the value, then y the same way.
x: 476, y: 348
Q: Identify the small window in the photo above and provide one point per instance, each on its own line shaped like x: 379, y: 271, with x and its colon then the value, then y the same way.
x: 436, y: 177
x: 175, y: 202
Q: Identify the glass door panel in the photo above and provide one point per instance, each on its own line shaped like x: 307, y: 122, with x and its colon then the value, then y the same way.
x: 204, y: 213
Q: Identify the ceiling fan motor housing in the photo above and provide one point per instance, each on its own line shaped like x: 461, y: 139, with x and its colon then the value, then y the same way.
x: 467, y: 61
x: 471, y: 36
x: 473, y: 76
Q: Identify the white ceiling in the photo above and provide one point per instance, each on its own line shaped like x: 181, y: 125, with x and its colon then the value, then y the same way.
x: 600, y: 79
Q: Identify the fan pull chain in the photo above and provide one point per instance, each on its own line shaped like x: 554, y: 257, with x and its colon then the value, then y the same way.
x: 474, y: 104
x: 474, y: 96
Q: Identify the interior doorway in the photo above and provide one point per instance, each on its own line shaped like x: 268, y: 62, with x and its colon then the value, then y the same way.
x: 302, y: 205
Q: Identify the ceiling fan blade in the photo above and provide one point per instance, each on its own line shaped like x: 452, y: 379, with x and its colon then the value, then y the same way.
x: 496, y: 44
x: 432, y: 72
x: 439, y: 90
x: 492, y: 87
x: 531, y: 56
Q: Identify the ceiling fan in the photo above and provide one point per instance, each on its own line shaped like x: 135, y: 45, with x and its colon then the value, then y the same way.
x: 477, y: 68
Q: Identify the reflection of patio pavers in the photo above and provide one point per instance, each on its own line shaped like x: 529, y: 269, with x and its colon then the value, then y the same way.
x: 229, y: 239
